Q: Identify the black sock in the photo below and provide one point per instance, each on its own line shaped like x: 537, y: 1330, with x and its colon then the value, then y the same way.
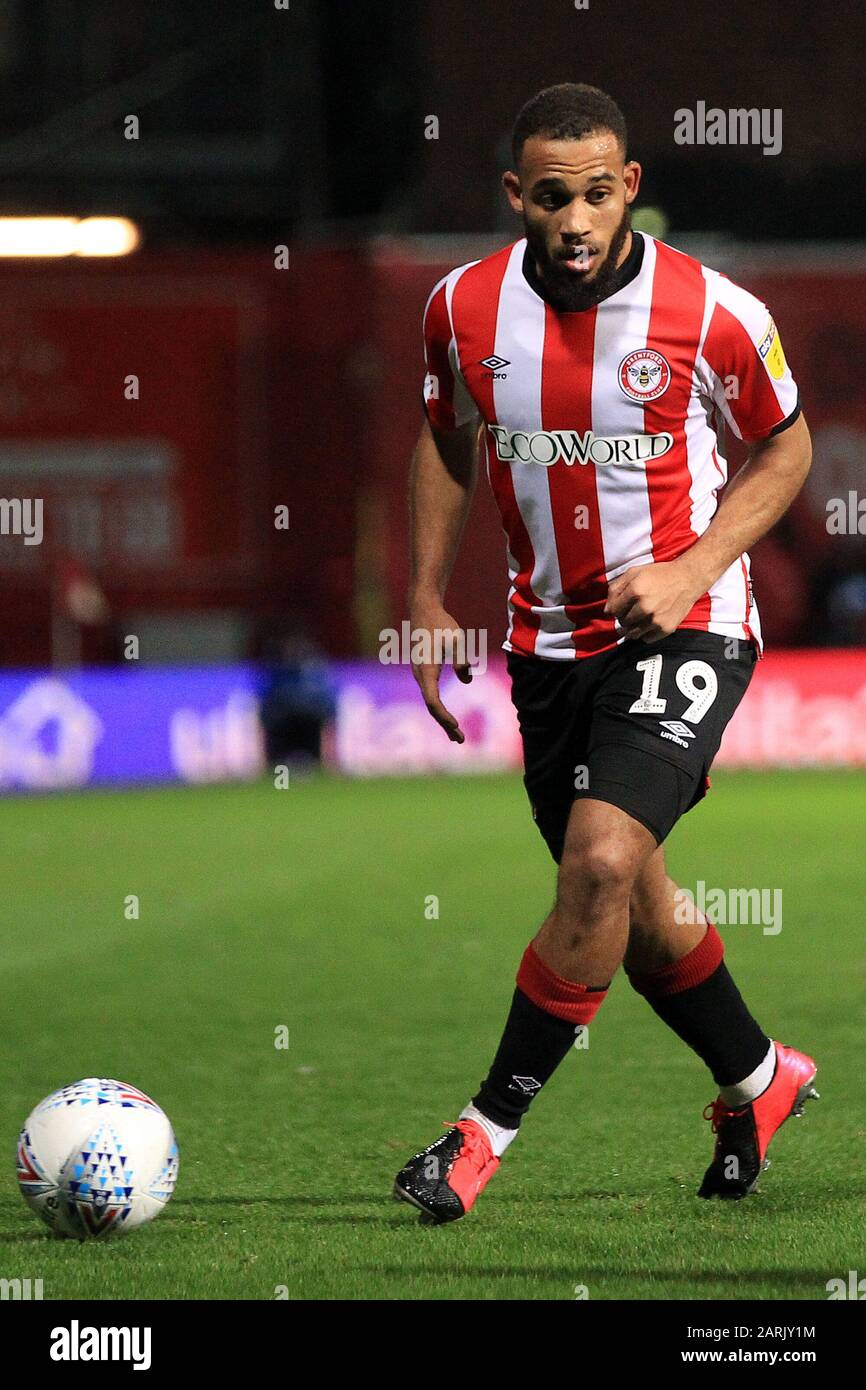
x: 533, y: 1045
x: 713, y: 1020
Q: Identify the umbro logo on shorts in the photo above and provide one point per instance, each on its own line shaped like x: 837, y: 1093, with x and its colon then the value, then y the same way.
x: 677, y: 731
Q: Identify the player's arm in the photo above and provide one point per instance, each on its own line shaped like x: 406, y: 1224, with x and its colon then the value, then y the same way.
x: 442, y: 482
x: 742, y: 349
x: 752, y: 503
x: 651, y: 601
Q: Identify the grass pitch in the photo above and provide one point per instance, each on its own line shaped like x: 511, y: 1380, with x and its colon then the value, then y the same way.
x: 313, y: 909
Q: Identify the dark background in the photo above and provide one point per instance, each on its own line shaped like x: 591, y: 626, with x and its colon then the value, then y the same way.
x: 261, y: 120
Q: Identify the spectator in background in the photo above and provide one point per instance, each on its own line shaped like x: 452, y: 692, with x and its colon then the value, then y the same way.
x: 296, y: 698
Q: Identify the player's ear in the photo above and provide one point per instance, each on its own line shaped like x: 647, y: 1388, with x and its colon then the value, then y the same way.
x: 511, y: 184
x: 631, y: 178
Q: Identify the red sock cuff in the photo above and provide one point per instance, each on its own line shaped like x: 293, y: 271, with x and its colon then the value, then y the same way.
x: 692, y: 969
x: 557, y: 996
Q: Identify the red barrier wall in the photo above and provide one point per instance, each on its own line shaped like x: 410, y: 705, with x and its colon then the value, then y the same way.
x: 246, y: 398
x: 259, y: 387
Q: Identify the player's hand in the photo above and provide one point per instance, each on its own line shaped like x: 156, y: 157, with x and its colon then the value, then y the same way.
x: 650, y: 601
x: 444, y: 635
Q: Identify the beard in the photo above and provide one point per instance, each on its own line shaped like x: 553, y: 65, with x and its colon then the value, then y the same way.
x: 567, y: 289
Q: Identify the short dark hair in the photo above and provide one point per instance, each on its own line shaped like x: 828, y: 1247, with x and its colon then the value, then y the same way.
x: 568, y: 111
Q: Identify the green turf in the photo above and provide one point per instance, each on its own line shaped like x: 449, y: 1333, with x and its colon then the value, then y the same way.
x: 305, y: 907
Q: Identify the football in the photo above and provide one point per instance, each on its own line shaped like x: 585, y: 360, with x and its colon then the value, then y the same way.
x: 97, y: 1158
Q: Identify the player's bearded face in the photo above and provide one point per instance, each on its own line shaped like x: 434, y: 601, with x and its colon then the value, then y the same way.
x: 574, y: 197
x: 576, y: 289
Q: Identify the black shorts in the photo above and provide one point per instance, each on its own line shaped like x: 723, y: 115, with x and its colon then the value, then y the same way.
x: 637, y: 726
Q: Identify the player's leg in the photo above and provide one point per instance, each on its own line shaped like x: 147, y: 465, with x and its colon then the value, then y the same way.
x: 561, y: 983
x: 568, y: 966
x: 444, y: 1179
x: 679, y: 967
x: 585, y: 934
x: 657, y: 936
x: 700, y: 678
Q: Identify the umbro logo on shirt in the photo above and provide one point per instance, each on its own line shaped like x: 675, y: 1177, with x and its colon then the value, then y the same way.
x: 495, y: 364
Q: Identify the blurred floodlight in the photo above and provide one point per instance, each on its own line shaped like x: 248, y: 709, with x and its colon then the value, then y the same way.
x: 107, y: 236
x: 68, y: 236
x: 653, y: 221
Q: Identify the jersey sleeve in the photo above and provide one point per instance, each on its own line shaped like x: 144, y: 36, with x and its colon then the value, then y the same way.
x: 446, y: 396
x: 750, y: 380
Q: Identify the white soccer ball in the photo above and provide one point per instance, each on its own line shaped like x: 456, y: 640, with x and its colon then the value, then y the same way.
x: 97, y: 1158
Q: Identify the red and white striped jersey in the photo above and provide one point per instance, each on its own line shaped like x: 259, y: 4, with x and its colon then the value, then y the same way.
x: 602, y: 428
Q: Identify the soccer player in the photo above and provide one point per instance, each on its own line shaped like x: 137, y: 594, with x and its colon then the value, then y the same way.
x: 600, y: 366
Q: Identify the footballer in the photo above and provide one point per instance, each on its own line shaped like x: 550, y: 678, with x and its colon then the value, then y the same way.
x: 597, y: 369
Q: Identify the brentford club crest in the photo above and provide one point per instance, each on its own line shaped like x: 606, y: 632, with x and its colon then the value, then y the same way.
x: 644, y: 375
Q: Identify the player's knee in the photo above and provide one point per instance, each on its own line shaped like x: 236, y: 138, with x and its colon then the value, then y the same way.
x: 600, y: 871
